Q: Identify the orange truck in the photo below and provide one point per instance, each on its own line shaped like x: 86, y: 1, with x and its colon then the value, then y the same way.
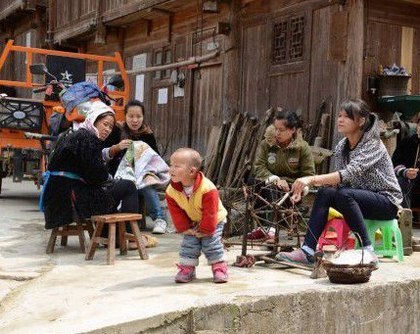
x: 24, y: 157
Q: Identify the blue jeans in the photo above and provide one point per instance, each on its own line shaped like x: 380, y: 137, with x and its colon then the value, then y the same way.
x: 212, y: 247
x: 354, y: 205
x: 149, y: 197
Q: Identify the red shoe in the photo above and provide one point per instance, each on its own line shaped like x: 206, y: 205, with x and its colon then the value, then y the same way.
x: 185, y: 274
x: 220, y: 272
x: 259, y: 233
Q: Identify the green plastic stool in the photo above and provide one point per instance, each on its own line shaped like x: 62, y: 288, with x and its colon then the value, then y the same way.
x: 389, y: 229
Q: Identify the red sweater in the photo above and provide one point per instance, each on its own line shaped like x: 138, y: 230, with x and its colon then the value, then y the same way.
x: 203, y: 208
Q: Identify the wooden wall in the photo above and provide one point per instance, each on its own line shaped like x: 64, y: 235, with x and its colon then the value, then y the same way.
x: 245, y: 78
x: 392, y: 36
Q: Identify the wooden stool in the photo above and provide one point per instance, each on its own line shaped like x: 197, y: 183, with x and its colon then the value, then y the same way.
x: 69, y: 230
x: 112, y: 220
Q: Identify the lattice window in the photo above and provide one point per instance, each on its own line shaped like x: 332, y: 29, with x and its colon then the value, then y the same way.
x: 162, y: 56
x: 280, y: 43
x: 288, y: 40
x: 297, y: 28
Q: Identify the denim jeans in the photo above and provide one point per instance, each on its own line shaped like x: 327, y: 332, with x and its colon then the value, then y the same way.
x: 149, y: 197
x: 212, y: 247
x: 354, y: 205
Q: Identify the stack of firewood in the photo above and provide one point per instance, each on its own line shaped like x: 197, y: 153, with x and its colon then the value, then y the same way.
x: 231, y: 148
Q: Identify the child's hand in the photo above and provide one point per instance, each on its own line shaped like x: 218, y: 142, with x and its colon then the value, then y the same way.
x: 123, y: 144
x: 200, y: 235
x: 190, y: 232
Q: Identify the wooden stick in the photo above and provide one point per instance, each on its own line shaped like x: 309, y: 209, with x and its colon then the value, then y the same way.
x: 417, y: 156
x: 285, y: 263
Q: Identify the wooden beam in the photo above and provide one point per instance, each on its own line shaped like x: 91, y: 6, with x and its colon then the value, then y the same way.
x: 13, y: 7
x: 130, y: 9
x: 161, y: 11
x: 190, y: 61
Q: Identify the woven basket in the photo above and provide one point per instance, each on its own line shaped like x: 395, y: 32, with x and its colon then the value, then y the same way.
x: 349, y: 274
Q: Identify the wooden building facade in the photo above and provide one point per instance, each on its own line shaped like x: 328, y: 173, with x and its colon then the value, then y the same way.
x: 259, y: 53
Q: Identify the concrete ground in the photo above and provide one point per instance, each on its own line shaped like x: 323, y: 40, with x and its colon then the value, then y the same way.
x: 63, y: 293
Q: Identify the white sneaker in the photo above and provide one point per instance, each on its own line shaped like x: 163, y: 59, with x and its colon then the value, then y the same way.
x: 160, y: 226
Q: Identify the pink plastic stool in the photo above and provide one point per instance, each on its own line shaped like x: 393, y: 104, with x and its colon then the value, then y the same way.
x: 339, y: 237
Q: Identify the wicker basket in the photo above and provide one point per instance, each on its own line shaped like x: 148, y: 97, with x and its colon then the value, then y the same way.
x: 349, y: 274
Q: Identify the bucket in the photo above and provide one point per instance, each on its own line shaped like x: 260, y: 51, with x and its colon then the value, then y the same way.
x: 393, y: 85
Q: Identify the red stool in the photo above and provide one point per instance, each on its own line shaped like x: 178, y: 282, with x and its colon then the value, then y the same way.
x: 336, y: 233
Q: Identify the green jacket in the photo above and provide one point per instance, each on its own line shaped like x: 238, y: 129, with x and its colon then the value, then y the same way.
x: 288, y: 163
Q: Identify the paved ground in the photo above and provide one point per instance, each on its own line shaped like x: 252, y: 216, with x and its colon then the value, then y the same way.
x: 63, y: 293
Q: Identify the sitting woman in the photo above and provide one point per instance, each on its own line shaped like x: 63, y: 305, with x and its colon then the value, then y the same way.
x: 406, y: 159
x: 285, y: 156
x: 77, y: 174
x: 282, y: 157
x: 364, y: 185
x: 135, y: 129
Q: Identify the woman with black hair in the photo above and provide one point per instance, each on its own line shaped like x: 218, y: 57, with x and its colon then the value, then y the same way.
x: 364, y: 184
x: 135, y: 129
x: 283, y: 156
x: 77, y: 174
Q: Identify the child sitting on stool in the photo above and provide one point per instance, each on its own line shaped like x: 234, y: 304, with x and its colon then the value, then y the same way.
x: 197, y: 213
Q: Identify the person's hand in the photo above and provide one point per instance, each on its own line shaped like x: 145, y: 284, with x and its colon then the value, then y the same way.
x: 190, y: 232
x: 200, y: 235
x: 283, y: 185
x: 298, y: 187
x: 123, y: 144
x: 411, y: 173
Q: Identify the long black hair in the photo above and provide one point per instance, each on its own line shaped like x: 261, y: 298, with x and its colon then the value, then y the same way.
x: 357, y: 108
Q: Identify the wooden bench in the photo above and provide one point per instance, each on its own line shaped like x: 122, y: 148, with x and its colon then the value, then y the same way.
x: 113, y: 220
x: 76, y: 229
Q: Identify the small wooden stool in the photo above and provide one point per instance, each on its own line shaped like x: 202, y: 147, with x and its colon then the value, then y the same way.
x: 69, y: 230
x: 112, y: 220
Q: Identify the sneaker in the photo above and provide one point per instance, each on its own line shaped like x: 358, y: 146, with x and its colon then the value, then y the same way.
x: 297, y: 256
x: 220, y: 272
x: 160, y: 226
x: 371, y: 257
x: 185, y: 274
x: 259, y: 233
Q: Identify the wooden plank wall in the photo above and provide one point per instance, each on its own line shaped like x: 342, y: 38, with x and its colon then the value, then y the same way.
x: 70, y: 12
x: 387, y: 22
x: 254, y: 83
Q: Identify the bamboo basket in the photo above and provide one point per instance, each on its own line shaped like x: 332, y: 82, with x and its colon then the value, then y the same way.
x: 349, y: 274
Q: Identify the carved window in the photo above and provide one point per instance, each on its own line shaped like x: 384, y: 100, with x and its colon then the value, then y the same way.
x: 288, y: 40
x: 157, y: 62
x: 162, y: 56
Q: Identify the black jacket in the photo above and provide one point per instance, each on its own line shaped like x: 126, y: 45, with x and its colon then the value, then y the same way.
x: 405, y: 153
x: 78, y: 152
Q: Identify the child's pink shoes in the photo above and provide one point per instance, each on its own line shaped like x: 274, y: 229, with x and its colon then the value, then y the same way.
x: 185, y: 274
x: 220, y: 272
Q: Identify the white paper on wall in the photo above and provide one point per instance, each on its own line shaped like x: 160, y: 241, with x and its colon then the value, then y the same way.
x: 139, y: 89
x: 139, y: 61
x: 163, y: 96
x: 178, y: 91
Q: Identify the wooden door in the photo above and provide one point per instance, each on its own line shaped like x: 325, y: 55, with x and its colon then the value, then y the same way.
x: 206, y: 105
x: 289, y: 61
x: 254, y: 87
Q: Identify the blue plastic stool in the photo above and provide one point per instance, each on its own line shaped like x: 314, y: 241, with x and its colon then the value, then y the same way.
x: 389, y: 229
